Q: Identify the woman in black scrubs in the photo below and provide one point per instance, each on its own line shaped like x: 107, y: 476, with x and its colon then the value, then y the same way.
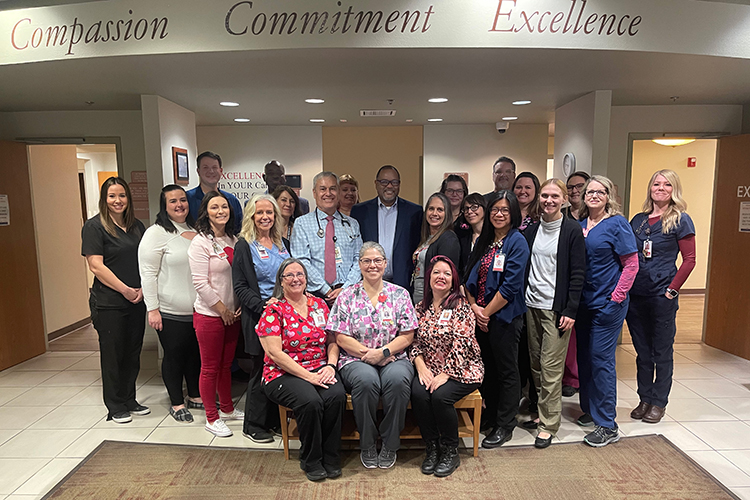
x: 110, y: 245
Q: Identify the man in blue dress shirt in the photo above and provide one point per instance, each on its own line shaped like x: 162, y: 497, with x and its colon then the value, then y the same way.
x: 209, y: 173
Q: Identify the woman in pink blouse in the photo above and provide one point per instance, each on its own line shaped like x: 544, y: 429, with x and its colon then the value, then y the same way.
x: 448, y: 362
x: 216, y: 316
x: 300, y: 372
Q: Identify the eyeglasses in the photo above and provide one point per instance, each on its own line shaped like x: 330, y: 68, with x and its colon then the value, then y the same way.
x: 291, y: 276
x: 472, y: 208
x: 385, y: 182
x: 454, y: 191
x: 571, y: 187
x: 378, y: 261
x: 598, y: 193
x: 498, y: 210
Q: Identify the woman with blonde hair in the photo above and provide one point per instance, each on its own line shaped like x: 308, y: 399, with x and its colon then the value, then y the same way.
x: 662, y: 231
x: 348, y: 193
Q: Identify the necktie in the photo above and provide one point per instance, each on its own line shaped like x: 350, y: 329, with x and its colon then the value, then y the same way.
x: 330, y: 252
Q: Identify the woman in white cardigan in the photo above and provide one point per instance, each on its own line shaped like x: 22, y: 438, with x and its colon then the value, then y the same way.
x: 169, y: 296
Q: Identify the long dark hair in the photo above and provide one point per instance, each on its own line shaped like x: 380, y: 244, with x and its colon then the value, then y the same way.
x: 282, y: 188
x: 487, y: 236
x: 447, y: 222
x: 534, y: 207
x: 203, y: 225
x: 128, y: 216
x: 451, y: 301
x: 162, y: 218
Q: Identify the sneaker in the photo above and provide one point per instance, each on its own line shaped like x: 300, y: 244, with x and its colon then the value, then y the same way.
x: 218, y: 428
x: 122, y: 417
x: 181, y: 415
x: 235, y: 415
x: 369, y: 457
x: 259, y: 436
x: 140, y: 410
x: 585, y: 420
x: 602, y: 436
x: 387, y: 458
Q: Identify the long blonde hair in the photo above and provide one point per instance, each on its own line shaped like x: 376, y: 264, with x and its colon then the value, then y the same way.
x: 248, y: 231
x: 611, y: 207
x: 677, y: 205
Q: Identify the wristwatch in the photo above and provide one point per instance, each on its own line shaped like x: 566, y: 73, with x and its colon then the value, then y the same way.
x: 386, y: 352
x: 672, y: 292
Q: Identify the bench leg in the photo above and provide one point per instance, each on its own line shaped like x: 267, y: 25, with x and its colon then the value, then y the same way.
x: 477, y: 424
x: 285, y: 431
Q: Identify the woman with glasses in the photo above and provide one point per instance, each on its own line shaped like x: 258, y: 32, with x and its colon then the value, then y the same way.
x: 348, y: 194
x: 575, y: 184
x: 473, y: 215
x: 438, y: 238
x: 257, y: 256
x: 611, y: 267
x: 662, y: 232
x: 454, y: 188
x: 374, y: 322
x: 300, y: 369
x: 449, y: 365
x: 494, y: 289
x: 288, y: 202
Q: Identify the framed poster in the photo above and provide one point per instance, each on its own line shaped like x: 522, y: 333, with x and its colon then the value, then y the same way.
x: 180, y: 166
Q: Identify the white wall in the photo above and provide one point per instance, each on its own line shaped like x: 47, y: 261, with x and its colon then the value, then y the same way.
x: 95, y: 162
x: 245, y: 150
x: 474, y: 149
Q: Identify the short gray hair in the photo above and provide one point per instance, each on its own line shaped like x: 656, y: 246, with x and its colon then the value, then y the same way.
x: 369, y: 245
x: 278, y: 291
x: 325, y: 173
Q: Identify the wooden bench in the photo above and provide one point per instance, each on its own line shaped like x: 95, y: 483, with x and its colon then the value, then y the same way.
x: 469, y: 416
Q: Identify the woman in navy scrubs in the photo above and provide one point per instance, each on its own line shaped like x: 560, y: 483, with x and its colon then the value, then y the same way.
x: 611, y: 267
x: 662, y: 231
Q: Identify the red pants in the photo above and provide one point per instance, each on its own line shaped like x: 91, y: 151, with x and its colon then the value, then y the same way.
x: 217, y: 343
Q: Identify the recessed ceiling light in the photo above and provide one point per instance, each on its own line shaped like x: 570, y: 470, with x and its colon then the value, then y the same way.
x: 509, y: 118
x: 342, y: 120
x: 409, y: 120
x: 521, y: 103
x: 229, y: 104
x: 434, y: 119
x: 315, y: 101
x: 242, y: 120
x: 437, y: 99
x: 317, y: 120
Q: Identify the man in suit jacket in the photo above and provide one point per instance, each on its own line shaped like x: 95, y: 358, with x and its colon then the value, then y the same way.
x: 394, y: 223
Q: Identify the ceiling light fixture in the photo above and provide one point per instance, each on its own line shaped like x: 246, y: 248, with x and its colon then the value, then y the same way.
x: 437, y: 100
x: 521, y: 103
x: 315, y: 101
x: 434, y: 119
x: 342, y: 120
x: 242, y: 120
x: 229, y: 104
x: 509, y: 118
x: 409, y: 120
x: 317, y: 120
x: 674, y: 141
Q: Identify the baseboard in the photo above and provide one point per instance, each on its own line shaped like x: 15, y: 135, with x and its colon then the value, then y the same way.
x: 62, y: 331
x: 693, y: 291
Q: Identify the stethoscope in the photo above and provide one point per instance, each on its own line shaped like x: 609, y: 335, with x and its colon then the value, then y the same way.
x: 344, y: 222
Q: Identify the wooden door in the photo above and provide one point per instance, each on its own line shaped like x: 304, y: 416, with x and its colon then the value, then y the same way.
x: 727, y: 319
x: 21, y: 317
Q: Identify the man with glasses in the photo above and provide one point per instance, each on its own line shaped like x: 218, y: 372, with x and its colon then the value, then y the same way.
x: 327, y: 242
x: 503, y: 175
x: 394, y: 223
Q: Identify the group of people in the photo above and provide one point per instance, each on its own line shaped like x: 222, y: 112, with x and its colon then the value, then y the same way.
x: 390, y: 303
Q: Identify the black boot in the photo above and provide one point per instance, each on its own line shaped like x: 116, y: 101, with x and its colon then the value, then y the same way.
x: 449, y: 461
x: 431, y: 457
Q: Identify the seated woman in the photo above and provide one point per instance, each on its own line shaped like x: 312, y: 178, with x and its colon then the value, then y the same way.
x: 448, y: 362
x: 374, y: 322
x: 300, y: 372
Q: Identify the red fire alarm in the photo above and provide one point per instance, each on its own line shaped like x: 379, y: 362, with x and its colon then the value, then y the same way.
x: 691, y: 162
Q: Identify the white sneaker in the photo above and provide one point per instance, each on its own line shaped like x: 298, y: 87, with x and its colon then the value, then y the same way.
x: 218, y: 428
x: 235, y: 415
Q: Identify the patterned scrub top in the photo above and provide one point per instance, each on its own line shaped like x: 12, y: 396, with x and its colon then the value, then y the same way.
x: 301, y: 339
x: 448, y: 344
x: 354, y: 315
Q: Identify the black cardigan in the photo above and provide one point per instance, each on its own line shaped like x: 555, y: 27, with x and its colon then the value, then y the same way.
x: 571, y: 266
x: 246, y: 288
x: 447, y: 244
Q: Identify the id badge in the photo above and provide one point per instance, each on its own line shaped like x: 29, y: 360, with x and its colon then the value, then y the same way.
x: 219, y: 251
x: 339, y: 260
x: 648, y: 249
x: 499, y: 263
x: 263, y: 252
x: 318, y: 318
x: 445, y: 317
x: 386, y: 314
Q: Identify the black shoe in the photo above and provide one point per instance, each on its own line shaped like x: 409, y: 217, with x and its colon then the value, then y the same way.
x: 333, y: 472
x: 533, y: 407
x: 602, y: 436
x: 259, y: 436
x: 542, y: 443
x: 316, y: 475
x: 585, y: 420
x: 449, y: 461
x: 432, y: 456
x: 530, y: 424
x: 569, y: 391
x: 193, y: 405
x: 122, y: 417
x: 497, y: 437
x: 140, y: 410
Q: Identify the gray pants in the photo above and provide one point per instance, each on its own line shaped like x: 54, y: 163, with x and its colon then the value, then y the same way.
x: 366, y: 384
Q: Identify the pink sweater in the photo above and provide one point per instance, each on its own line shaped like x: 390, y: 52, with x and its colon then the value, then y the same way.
x: 212, y: 273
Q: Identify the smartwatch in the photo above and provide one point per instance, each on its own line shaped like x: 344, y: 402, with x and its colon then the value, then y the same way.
x: 672, y: 292
x: 386, y: 352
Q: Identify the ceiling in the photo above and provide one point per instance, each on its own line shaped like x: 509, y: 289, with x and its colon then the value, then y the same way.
x: 271, y: 85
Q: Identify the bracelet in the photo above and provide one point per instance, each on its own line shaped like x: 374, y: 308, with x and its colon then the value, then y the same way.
x: 329, y: 364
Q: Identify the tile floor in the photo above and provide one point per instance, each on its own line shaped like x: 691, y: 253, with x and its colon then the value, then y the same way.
x: 52, y: 416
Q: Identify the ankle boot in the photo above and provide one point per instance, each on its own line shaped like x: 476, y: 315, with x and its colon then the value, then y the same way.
x: 449, y: 461
x: 432, y: 456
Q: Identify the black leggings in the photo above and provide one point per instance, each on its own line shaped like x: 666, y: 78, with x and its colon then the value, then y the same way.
x: 181, y: 359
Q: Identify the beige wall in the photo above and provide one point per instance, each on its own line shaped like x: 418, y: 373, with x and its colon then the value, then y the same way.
x: 361, y: 151
x: 697, y: 187
x: 58, y: 222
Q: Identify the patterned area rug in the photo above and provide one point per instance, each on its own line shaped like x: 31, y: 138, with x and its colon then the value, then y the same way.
x: 638, y: 467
